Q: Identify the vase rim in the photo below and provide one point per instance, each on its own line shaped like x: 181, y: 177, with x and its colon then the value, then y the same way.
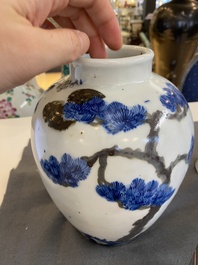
x: 127, y: 54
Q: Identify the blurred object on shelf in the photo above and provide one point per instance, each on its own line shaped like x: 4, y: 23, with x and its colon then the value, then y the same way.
x: 136, y: 28
x: 189, y: 83
x: 144, y: 40
x: 125, y: 15
x: 20, y: 101
x: 123, y: 3
x: 161, y: 2
x: 129, y: 15
x: 148, y: 9
x: 139, y: 7
x: 174, y: 37
x: 126, y: 37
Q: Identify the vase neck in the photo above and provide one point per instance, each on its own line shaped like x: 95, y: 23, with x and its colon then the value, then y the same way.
x: 129, y: 64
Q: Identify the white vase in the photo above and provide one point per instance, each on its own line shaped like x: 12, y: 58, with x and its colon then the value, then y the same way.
x: 112, y: 143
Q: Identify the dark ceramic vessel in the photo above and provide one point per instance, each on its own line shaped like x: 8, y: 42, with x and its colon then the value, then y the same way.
x: 174, y: 37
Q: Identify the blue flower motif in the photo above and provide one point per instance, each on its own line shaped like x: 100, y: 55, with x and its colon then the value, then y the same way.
x: 112, y: 192
x: 68, y: 172
x: 96, y: 106
x: 85, y: 112
x: 77, y: 112
x: 190, y: 151
x: 118, y: 117
x: 172, y: 98
x: 138, y: 194
x: 52, y: 169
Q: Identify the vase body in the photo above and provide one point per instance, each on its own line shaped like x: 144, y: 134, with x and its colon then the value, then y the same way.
x: 20, y: 101
x: 112, y: 143
x: 174, y: 38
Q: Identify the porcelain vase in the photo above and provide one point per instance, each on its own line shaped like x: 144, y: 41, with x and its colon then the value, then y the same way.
x: 174, y: 38
x: 112, y: 143
x: 20, y: 101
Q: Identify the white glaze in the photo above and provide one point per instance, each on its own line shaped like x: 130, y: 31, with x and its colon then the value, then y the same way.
x: 130, y: 82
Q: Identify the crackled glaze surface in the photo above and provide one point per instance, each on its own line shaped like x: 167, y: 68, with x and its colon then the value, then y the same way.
x: 112, y: 147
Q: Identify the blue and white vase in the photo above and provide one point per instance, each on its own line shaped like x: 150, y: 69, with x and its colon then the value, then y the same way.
x: 112, y: 143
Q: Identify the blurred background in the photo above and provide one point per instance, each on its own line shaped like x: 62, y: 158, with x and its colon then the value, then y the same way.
x: 134, y: 17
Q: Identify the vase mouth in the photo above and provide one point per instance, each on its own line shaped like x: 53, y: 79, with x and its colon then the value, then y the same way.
x: 127, y: 54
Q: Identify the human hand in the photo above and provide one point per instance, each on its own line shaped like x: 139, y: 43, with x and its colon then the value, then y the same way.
x: 28, y: 47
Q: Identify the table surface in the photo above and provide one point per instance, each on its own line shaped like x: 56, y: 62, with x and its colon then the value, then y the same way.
x: 14, y: 136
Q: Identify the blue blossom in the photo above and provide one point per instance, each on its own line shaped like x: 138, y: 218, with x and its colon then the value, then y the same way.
x: 163, y: 193
x: 77, y: 112
x: 191, y: 150
x: 96, y: 106
x: 112, y: 192
x: 52, y: 168
x: 138, y: 194
x: 118, y: 117
x: 172, y: 98
x: 85, y: 112
x: 68, y: 172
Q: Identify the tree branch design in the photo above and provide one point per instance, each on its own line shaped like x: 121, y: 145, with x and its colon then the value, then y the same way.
x: 88, y: 106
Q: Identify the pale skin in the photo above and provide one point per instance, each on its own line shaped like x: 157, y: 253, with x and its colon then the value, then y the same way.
x: 31, y: 45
